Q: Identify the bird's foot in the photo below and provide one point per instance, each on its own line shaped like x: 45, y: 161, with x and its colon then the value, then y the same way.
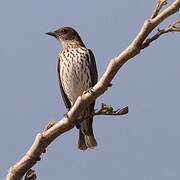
x: 30, y: 175
x: 89, y: 90
x: 66, y: 115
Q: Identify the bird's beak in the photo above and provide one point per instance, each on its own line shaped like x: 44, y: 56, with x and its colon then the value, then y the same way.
x: 51, y: 34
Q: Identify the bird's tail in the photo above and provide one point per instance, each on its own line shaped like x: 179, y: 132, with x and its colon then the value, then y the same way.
x: 86, y: 135
x: 90, y: 141
x: 81, y: 141
x: 86, y: 141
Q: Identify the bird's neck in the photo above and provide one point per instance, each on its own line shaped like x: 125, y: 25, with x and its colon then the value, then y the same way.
x: 73, y: 44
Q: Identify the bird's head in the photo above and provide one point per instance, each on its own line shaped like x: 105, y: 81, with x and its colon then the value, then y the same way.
x: 66, y: 35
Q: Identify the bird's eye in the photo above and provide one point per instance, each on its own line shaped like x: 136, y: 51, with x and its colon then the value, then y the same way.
x: 64, y: 31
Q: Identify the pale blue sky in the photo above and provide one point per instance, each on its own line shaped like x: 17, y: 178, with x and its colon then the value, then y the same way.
x: 143, y: 145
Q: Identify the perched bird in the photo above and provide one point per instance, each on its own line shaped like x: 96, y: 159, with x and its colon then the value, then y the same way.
x: 77, y: 73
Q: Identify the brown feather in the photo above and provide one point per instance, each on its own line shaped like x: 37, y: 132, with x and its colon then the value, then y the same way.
x: 64, y: 96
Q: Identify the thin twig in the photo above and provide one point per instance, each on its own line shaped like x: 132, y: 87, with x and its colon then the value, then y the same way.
x: 174, y: 27
x: 106, y: 110
x: 158, y: 7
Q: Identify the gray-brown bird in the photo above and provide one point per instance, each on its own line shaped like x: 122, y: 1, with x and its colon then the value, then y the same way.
x: 77, y: 73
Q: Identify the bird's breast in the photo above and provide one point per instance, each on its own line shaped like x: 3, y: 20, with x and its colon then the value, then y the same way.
x: 74, y: 72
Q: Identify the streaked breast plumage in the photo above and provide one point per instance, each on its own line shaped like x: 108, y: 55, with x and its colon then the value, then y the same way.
x: 74, y: 72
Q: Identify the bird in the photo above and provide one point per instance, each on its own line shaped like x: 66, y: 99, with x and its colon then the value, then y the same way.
x: 77, y: 73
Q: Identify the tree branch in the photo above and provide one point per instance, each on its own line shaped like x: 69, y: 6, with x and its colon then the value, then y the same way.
x: 105, y: 109
x: 43, y: 139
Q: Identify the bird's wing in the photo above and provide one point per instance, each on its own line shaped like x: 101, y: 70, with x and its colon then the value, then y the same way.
x: 93, y: 68
x: 64, y: 96
x: 93, y: 74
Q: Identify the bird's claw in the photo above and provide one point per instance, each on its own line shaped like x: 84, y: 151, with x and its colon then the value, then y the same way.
x: 30, y: 175
x: 89, y: 90
x: 66, y: 115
